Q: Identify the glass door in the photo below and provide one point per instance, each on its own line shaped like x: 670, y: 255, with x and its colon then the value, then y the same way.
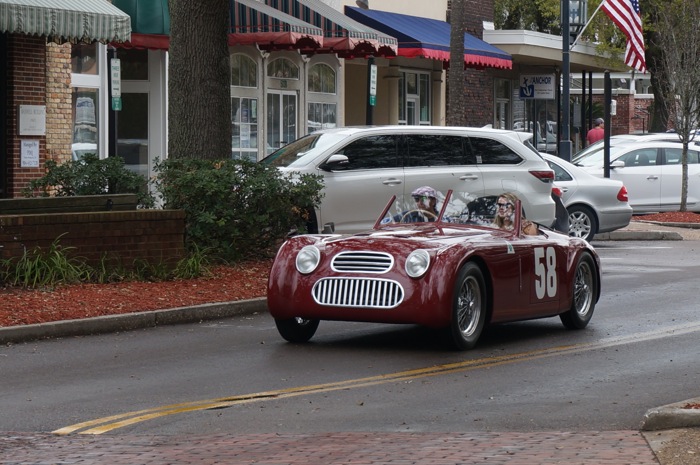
x: 281, y: 119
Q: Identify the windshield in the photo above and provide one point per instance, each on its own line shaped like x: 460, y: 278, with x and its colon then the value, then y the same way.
x: 453, y: 208
x: 596, y: 158
x: 303, y: 150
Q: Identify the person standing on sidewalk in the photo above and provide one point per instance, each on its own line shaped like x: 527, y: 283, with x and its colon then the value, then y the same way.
x: 597, y: 132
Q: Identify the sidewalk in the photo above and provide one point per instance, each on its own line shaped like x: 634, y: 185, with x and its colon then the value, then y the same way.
x: 670, y: 434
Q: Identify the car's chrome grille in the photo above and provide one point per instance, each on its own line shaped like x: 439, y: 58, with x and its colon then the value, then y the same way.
x: 362, y: 262
x: 358, y: 292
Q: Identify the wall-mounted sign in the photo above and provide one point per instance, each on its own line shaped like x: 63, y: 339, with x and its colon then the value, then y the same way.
x: 29, y: 153
x: 537, y: 86
x: 32, y: 120
x: 373, y: 85
x: 115, y: 75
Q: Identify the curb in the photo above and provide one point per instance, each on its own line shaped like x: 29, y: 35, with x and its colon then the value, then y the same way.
x: 131, y: 321
x: 672, y: 416
x: 621, y: 235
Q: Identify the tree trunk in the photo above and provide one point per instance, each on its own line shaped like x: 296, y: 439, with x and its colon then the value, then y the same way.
x: 199, y: 110
x: 456, y: 102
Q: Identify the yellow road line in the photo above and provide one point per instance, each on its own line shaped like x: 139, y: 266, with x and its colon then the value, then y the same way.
x: 110, y: 423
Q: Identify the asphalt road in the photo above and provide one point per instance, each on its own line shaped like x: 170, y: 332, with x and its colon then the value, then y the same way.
x: 236, y: 375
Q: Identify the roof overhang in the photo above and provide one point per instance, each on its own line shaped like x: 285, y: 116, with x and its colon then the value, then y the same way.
x: 529, y: 48
x: 65, y: 20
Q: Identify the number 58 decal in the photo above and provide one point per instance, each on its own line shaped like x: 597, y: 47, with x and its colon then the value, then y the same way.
x: 545, y: 272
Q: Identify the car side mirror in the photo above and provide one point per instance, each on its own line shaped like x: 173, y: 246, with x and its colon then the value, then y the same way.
x: 335, y: 162
x: 617, y: 164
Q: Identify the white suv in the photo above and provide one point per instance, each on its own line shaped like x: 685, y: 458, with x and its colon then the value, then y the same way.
x: 363, y: 167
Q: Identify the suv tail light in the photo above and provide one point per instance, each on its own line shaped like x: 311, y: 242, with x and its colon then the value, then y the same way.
x: 557, y: 191
x: 622, y: 195
x: 543, y: 175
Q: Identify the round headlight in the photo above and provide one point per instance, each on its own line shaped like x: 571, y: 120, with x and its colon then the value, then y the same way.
x: 417, y: 263
x: 308, y: 259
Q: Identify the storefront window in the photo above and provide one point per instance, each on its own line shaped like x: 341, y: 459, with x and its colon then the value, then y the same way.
x: 244, y: 71
x: 322, y: 116
x: 134, y: 64
x: 322, y: 79
x: 283, y: 69
x: 85, y: 129
x: 244, y: 119
x: 84, y: 59
x: 414, y: 98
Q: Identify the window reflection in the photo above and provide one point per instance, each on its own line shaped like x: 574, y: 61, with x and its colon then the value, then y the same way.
x: 84, y: 59
x: 85, y: 111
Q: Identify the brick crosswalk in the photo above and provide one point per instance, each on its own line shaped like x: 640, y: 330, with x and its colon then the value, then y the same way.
x: 352, y: 448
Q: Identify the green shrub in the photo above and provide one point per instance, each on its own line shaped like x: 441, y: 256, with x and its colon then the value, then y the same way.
x: 237, y: 209
x: 44, y: 268
x: 39, y: 268
x: 90, y: 176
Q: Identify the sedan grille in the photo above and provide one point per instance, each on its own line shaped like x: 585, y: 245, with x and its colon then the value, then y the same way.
x: 362, y: 262
x: 361, y: 292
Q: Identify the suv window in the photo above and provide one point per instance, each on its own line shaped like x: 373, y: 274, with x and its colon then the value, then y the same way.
x: 492, y: 152
x: 371, y: 153
x: 436, y: 150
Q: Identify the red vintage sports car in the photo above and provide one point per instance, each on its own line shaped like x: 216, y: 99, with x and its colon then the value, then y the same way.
x: 452, y: 269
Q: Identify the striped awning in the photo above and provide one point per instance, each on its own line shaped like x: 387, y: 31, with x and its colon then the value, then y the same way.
x: 252, y: 23
x: 65, y: 20
x: 341, y: 34
x: 255, y: 23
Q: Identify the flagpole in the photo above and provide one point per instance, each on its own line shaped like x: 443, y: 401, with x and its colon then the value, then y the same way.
x: 584, y: 27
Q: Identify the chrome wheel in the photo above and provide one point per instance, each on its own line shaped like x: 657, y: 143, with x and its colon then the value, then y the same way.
x: 468, y: 307
x: 584, y: 294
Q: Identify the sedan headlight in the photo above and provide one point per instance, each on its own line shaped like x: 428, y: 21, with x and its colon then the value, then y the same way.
x: 417, y: 263
x: 308, y: 259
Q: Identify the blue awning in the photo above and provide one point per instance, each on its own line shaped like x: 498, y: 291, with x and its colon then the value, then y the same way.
x: 430, y: 38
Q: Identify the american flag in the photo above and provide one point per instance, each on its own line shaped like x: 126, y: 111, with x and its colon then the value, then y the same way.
x: 625, y: 14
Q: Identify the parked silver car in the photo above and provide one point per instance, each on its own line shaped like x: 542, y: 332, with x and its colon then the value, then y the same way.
x: 652, y: 173
x: 595, y: 205
x: 362, y: 167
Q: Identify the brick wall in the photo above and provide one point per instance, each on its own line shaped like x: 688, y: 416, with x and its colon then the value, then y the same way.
x: 153, y: 235
x: 59, y: 102
x: 26, y: 66
x: 478, y: 85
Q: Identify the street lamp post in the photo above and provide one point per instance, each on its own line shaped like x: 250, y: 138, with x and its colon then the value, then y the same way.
x: 565, y: 142
x: 573, y: 19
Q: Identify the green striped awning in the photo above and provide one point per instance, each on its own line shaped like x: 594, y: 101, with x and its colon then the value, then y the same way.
x: 65, y: 20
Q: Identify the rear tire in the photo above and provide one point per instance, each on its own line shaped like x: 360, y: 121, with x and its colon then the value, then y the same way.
x: 296, y: 330
x: 584, y: 294
x: 582, y: 222
x: 469, y: 307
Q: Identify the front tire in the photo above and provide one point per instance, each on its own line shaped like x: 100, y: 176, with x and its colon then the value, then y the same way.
x: 585, y: 292
x: 582, y: 223
x: 296, y: 330
x: 469, y: 307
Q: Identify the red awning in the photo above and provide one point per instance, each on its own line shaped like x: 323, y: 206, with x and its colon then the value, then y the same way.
x: 341, y: 34
x: 252, y: 23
